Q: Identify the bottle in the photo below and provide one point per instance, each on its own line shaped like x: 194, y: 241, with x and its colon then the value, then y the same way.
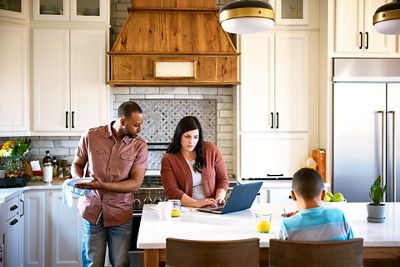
x: 55, y: 167
x: 47, y: 168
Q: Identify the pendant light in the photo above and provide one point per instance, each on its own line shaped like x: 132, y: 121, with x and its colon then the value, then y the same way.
x: 387, y: 18
x: 246, y: 16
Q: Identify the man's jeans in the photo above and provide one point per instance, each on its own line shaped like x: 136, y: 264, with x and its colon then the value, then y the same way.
x: 95, y: 239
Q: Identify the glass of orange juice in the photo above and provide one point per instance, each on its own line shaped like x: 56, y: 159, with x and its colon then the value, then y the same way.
x: 263, y: 222
x: 176, y: 207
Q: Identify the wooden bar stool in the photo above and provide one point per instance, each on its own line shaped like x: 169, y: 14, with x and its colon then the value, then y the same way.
x: 195, y: 253
x: 285, y: 253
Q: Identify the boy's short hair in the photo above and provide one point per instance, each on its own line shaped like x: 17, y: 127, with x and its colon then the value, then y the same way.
x: 307, y: 183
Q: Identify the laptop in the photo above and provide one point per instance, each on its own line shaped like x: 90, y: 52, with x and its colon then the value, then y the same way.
x: 241, y: 198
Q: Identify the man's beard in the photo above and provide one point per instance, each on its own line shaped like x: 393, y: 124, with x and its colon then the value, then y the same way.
x: 129, y: 134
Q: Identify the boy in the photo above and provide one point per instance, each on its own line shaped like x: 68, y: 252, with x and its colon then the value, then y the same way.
x: 313, y: 222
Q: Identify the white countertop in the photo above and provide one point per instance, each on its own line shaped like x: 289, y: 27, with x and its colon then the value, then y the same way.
x: 9, y: 193
x: 238, y: 225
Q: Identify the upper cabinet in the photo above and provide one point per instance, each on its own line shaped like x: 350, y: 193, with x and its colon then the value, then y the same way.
x: 69, y: 90
x: 70, y: 10
x: 14, y: 79
x: 354, y: 33
x: 278, y: 96
x: 14, y: 9
x: 276, y: 80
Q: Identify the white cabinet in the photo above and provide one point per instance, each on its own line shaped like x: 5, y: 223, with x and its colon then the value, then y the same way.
x: 14, y: 9
x: 70, y: 10
x: 278, y: 96
x: 69, y: 90
x: 279, y: 195
x: 272, y: 155
x: 13, y: 251
x: 2, y: 232
x: 14, y: 79
x: 354, y: 32
x: 54, y: 232
x: 275, y: 81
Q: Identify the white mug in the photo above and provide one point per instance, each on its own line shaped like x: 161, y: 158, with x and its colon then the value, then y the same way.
x: 164, y: 210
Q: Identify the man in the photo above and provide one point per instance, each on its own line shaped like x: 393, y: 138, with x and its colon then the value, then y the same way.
x: 116, y: 157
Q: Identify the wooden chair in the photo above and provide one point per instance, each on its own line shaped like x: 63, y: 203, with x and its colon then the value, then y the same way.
x: 285, y: 253
x: 195, y: 253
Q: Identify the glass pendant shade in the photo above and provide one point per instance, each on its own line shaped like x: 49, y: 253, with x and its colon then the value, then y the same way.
x: 387, y: 18
x: 246, y: 16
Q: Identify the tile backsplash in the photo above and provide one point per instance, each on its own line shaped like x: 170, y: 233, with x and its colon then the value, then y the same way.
x: 212, y: 105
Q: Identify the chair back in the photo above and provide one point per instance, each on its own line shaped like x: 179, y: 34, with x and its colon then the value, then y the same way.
x: 196, y: 253
x: 285, y: 253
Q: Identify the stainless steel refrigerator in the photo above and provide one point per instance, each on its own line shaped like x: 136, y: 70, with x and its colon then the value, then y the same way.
x: 366, y: 109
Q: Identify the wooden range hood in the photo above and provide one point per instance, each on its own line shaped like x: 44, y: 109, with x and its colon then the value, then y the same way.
x: 172, y: 43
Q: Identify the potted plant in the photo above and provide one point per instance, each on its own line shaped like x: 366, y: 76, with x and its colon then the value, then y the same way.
x: 376, y: 209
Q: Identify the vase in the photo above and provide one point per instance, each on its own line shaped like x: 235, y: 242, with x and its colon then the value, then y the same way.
x: 14, y: 168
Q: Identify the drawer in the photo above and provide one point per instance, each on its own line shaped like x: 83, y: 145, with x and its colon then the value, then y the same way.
x: 12, y: 207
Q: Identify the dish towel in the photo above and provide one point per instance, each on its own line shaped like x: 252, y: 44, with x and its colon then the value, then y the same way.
x: 69, y: 190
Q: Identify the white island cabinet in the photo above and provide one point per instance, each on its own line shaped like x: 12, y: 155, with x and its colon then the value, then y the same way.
x: 53, y: 232
x: 381, y: 240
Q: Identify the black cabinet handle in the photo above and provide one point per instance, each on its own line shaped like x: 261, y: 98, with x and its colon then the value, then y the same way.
x: 14, y: 222
x: 272, y: 120
x: 73, y: 119
x: 367, y: 41
x: 361, y: 41
x: 23, y: 208
x: 14, y: 208
x: 277, y: 120
x: 281, y: 174
x: 66, y: 119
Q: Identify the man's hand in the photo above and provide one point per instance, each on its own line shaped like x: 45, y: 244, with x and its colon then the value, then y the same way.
x: 95, y: 184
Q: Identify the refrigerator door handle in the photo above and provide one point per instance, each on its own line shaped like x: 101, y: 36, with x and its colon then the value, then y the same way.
x: 383, y: 147
x: 394, y: 154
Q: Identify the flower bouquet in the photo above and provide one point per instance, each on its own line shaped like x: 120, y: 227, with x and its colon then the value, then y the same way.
x: 15, y: 152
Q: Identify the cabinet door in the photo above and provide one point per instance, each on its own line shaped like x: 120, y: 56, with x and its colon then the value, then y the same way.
x: 47, y: 10
x: 14, y: 9
x: 349, y: 30
x: 291, y: 81
x: 2, y: 232
x: 274, y: 154
x: 66, y: 232
x: 51, y: 94
x: 377, y: 43
x: 14, y: 84
x: 21, y: 231
x: 11, y: 242
x: 257, y: 89
x: 35, y: 229
x: 88, y: 88
x: 89, y: 11
x: 279, y: 195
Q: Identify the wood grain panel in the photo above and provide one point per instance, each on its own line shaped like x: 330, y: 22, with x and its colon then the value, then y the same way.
x: 184, y: 4
x: 139, y: 69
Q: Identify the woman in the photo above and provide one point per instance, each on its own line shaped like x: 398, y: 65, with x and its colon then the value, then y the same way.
x: 193, y: 170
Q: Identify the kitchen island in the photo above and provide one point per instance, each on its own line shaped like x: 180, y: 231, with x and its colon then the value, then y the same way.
x: 381, y: 240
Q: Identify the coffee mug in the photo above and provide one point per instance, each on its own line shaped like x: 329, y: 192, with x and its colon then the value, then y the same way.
x: 164, y: 210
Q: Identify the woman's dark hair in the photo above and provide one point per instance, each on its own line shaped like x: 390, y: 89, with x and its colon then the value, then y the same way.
x: 186, y: 124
